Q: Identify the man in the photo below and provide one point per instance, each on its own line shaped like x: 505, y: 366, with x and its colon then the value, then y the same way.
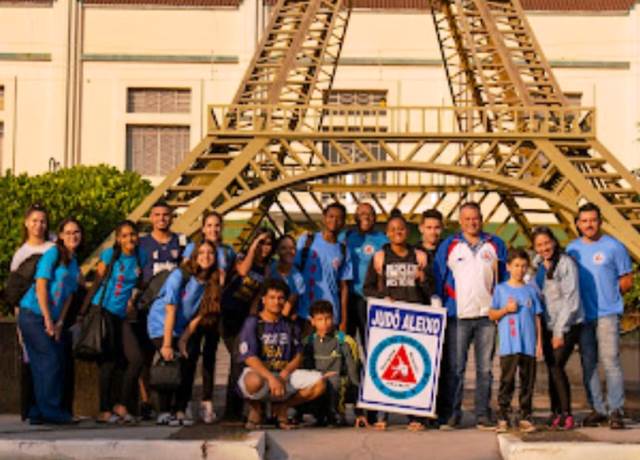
x: 326, y: 266
x: 271, y: 349
x: 362, y: 242
x: 163, y: 247
x: 468, y: 266
x: 431, y: 226
x: 605, y: 275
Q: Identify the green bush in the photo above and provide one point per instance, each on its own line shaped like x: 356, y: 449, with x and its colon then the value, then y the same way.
x: 98, y: 196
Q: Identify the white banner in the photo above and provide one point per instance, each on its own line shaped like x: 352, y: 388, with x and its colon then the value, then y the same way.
x: 403, y: 357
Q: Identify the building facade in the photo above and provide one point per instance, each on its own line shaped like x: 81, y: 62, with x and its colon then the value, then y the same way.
x: 127, y: 82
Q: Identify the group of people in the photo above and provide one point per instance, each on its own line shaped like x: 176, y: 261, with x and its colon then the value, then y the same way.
x: 291, y: 313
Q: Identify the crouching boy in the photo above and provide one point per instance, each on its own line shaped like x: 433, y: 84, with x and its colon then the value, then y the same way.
x: 270, y: 348
x: 335, y: 355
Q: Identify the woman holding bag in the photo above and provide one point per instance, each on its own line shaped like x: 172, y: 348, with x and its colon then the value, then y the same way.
x: 119, y: 272
x: 42, y: 312
x: 189, y: 297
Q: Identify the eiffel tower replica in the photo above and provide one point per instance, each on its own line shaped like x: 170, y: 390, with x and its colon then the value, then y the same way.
x: 510, y: 141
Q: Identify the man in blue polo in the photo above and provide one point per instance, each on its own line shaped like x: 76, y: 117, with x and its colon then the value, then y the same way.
x: 362, y: 243
x: 468, y: 266
x: 605, y: 273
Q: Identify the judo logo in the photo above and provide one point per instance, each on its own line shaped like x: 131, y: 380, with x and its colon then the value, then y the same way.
x: 400, y: 367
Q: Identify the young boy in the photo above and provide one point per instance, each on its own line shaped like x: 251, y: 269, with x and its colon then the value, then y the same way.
x: 335, y: 355
x: 517, y: 309
x: 270, y: 348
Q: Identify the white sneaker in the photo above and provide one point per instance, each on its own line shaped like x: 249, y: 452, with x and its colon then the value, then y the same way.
x: 207, y: 414
x: 163, y: 419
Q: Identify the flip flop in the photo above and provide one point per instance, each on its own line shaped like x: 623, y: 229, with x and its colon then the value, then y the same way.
x: 415, y: 426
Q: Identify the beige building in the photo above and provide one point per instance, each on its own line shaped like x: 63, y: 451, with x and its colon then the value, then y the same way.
x: 127, y: 82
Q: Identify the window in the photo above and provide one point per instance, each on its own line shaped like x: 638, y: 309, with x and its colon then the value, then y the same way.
x: 156, y: 150
x: 574, y: 98
x: 1, y: 98
x: 158, y: 100
x: 374, y: 98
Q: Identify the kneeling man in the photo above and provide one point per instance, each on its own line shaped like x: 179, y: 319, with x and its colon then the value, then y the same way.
x: 271, y: 350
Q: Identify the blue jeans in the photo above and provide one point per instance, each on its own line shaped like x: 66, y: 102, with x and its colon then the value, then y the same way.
x: 600, y: 343
x: 482, y: 333
x: 46, y: 357
x: 447, y: 381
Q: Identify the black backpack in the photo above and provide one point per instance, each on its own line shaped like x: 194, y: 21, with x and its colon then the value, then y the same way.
x: 20, y: 280
x: 153, y: 287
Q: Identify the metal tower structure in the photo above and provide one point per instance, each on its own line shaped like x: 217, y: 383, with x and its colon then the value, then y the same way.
x: 510, y: 140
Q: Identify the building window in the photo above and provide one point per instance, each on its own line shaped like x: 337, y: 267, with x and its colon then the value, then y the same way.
x: 1, y: 98
x: 372, y: 98
x: 574, y: 99
x: 156, y: 150
x: 158, y: 100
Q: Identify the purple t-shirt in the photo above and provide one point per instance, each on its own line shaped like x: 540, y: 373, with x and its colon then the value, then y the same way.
x: 275, y: 344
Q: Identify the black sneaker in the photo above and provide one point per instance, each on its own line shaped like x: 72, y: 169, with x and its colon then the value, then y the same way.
x: 484, y: 423
x: 452, y: 424
x: 594, y: 419
x: 616, y: 421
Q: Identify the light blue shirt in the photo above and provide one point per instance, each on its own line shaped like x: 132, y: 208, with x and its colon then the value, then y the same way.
x: 600, y: 265
x: 294, y: 279
x: 324, y: 269
x: 517, y: 331
x: 62, y: 282
x: 124, y: 277
x: 362, y: 247
x: 185, y: 296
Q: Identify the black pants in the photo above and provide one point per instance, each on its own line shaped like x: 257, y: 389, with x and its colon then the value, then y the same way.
x: 526, y: 367
x: 357, y: 318
x: 204, y: 341
x: 122, y: 354
x: 559, y: 386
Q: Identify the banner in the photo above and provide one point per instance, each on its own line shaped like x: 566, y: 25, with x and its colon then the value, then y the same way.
x: 403, y: 357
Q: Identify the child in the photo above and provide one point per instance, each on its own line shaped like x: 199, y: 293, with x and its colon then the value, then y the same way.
x: 517, y: 308
x: 333, y: 353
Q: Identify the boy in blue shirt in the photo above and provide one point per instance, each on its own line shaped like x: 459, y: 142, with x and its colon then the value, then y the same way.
x: 517, y: 309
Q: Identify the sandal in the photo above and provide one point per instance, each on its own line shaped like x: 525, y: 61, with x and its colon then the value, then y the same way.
x: 361, y: 422
x: 380, y: 426
x: 415, y: 426
x: 254, y: 419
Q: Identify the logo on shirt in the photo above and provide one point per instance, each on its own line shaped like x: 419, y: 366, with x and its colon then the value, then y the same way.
x: 175, y: 253
x: 244, y: 348
x: 368, y: 249
x: 335, y: 263
x: 598, y: 258
x: 486, y: 255
x: 528, y: 303
x: 400, y: 367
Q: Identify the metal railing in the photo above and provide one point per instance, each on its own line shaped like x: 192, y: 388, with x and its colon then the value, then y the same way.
x: 364, y: 121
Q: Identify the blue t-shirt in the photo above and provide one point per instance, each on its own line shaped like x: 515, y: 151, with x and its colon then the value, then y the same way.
x: 517, y: 331
x: 600, y: 265
x: 124, y: 277
x: 362, y: 247
x: 225, y: 255
x: 161, y: 256
x: 185, y: 296
x: 327, y: 265
x: 62, y: 282
x: 278, y: 344
x: 294, y: 279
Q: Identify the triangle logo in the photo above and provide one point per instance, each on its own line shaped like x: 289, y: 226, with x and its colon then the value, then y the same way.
x: 399, y: 368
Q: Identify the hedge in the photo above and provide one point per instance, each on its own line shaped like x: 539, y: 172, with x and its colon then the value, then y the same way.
x: 98, y: 196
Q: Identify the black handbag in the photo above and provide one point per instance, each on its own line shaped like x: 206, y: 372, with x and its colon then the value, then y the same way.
x: 90, y: 342
x: 165, y: 376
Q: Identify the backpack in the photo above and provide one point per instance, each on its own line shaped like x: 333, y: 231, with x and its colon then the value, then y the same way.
x: 153, y: 287
x: 304, y: 252
x: 20, y: 280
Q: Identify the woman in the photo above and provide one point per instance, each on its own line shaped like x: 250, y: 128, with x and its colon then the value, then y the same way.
x: 189, y: 297
x: 240, y: 298
x: 35, y: 232
x: 285, y: 270
x: 119, y: 272
x: 557, y: 278
x: 208, y: 332
x: 398, y: 272
x: 42, y: 313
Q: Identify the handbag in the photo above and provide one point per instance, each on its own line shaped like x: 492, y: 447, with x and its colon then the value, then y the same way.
x: 165, y: 376
x: 90, y: 343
